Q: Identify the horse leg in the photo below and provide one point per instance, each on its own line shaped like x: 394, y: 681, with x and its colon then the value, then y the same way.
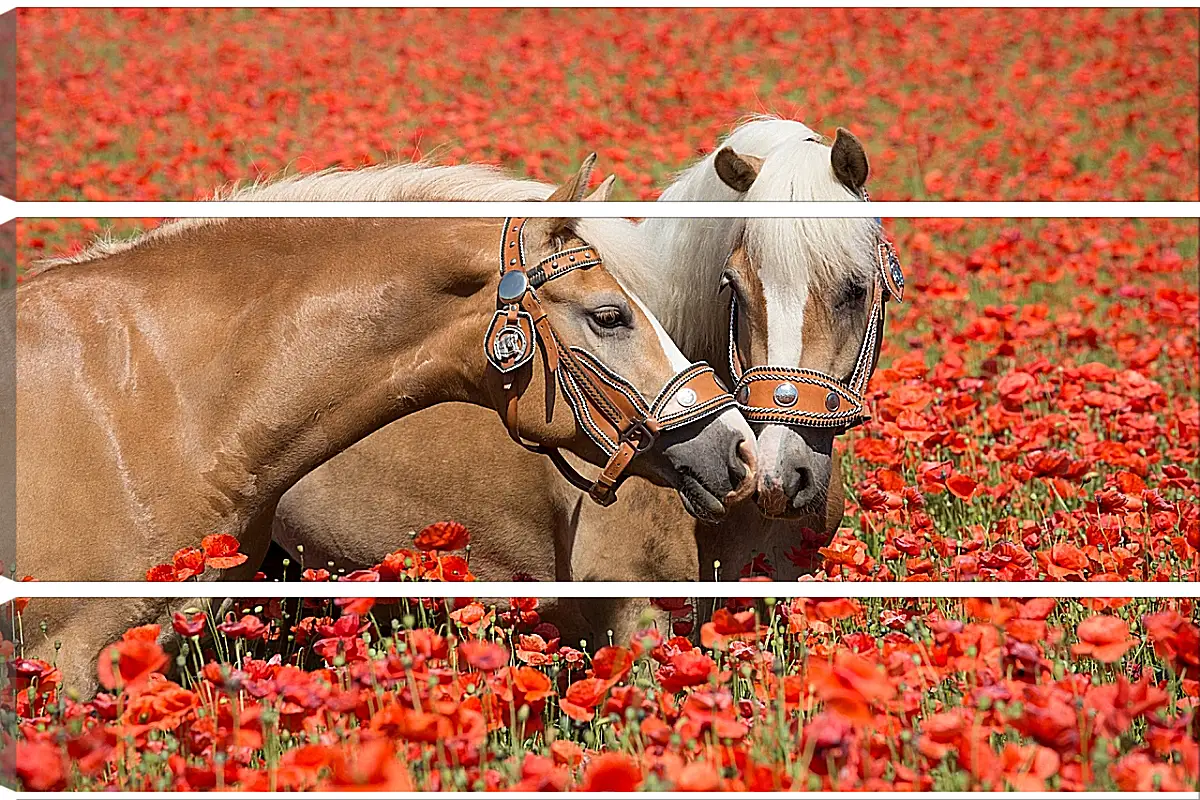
x: 645, y: 536
x: 76, y: 630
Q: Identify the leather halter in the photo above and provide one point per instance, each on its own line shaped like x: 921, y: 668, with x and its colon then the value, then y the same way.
x: 807, y: 398
x: 609, y: 409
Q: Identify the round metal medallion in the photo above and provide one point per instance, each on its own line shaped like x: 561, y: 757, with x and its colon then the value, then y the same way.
x: 743, y: 394
x: 513, y: 286
x: 686, y: 397
x: 510, y: 343
x: 786, y: 395
x: 832, y: 401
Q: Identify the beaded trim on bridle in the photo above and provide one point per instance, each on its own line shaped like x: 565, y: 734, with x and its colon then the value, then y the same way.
x: 609, y: 409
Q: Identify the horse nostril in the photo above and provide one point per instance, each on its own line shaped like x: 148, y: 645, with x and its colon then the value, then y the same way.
x: 743, y: 471
x: 805, y: 476
x: 747, y: 453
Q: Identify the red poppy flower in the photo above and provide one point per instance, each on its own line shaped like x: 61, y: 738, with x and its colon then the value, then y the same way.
x: 612, y: 664
x: 532, y: 684
x: 188, y: 563
x: 221, y: 551
x: 361, y: 576
x: 1063, y: 561
x: 163, y: 573
x: 370, y: 766
x: 248, y: 627
x: 41, y: 766
x: 961, y: 486
x: 355, y: 605
x: 726, y: 627
x: 1175, y: 639
x: 189, y: 627
x: 473, y: 616
x: 686, y: 668
x: 611, y: 772
x: 315, y: 575
x: 442, y: 536
x: 566, y: 753
x: 699, y: 776
x: 850, y: 685
x: 1104, y: 638
x: 128, y: 664
x: 582, y: 697
x: 484, y: 656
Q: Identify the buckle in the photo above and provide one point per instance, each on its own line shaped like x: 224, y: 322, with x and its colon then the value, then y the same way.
x: 602, y: 495
x: 642, y: 434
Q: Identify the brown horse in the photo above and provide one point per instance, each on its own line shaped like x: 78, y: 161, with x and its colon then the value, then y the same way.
x: 804, y: 300
x: 178, y: 385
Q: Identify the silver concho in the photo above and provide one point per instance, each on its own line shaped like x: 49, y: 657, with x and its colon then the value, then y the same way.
x: 786, y: 395
x: 686, y: 397
x: 510, y: 343
x: 832, y: 401
x: 513, y: 286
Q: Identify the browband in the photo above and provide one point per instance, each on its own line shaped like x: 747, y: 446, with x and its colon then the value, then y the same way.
x: 609, y: 409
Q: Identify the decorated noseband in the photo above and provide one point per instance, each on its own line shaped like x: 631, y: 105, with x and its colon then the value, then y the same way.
x: 612, y: 412
x: 808, y: 398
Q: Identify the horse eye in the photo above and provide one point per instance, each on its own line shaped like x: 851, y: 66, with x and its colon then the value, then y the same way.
x: 608, y: 317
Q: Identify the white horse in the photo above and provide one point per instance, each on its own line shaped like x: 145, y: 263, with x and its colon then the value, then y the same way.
x: 803, y: 287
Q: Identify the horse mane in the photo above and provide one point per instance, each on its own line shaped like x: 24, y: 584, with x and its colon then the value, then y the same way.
x: 398, y: 183
x: 416, y: 181
x: 818, y: 252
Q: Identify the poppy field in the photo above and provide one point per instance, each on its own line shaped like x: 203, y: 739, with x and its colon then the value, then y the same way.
x: 952, y: 104
x: 1035, y: 413
x: 1036, y: 417
x: 835, y: 694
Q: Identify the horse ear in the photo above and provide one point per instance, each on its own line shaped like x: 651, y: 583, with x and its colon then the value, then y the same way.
x: 572, y: 191
x: 849, y: 161
x: 602, y: 192
x: 736, y: 171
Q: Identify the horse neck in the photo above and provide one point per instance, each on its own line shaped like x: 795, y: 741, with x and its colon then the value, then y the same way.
x: 313, y: 334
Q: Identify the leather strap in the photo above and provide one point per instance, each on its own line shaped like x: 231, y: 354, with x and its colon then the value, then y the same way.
x: 799, y: 397
x: 561, y: 263
x: 693, y: 394
x: 541, y: 324
x: 604, y: 490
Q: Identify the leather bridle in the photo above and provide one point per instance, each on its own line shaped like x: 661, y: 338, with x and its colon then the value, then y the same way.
x: 807, y: 398
x: 609, y: 409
